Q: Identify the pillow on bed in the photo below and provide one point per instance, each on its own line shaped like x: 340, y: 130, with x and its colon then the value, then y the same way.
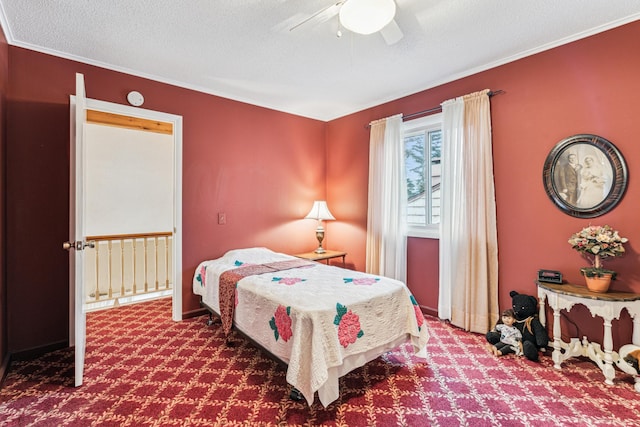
x: 257, y: 255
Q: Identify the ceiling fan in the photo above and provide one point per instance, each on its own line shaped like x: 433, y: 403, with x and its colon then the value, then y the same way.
x: 361, y: 17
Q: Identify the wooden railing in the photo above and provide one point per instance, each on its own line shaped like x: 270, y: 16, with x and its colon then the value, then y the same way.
x: 127, y: 264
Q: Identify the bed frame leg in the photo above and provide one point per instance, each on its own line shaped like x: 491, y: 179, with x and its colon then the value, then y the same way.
x: 295, y: 395
x: 211, y: 320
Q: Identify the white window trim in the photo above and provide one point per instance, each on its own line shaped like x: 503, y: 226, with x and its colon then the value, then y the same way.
x: 429, y: 231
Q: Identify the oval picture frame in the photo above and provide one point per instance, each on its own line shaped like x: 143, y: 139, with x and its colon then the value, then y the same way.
x: 585, y: 175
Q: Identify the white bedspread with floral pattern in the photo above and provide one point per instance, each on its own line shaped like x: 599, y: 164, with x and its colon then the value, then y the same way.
x: 323, y: 321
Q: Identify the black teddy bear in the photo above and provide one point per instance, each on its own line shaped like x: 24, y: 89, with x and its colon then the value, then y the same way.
x: 534, y: 335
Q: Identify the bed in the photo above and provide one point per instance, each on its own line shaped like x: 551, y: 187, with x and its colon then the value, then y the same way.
x: 322, y: 321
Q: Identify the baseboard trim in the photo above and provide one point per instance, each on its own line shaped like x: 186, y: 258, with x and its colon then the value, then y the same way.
x: 38, y: 351
x: 4, y: 369
x: 30, y: 354
x: 429, y: 311
x: 194, y: 313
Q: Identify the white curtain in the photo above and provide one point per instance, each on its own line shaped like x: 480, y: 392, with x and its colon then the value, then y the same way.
x: 468, y: 238
x: 386, y: 222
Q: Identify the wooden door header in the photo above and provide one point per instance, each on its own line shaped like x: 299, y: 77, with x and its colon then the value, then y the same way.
x: 118, y: 120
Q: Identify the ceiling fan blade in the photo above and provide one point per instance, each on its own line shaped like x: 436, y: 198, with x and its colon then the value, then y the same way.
x: 392, y: 33
x: 322, y: 15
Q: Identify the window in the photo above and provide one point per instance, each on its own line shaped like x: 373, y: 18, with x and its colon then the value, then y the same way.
x: 423, y: 145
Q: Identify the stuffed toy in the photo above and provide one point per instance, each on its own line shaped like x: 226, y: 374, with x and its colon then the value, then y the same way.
x: 534, y: 335
x: 632, y: 358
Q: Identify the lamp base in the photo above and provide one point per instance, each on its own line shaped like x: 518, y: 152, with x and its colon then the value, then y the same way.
x: 320, y: 237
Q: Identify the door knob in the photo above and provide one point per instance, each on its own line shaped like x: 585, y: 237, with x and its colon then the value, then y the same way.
x: 79, y: 245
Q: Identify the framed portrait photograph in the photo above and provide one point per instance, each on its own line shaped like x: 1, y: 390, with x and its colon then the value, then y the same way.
x: 585, y: 176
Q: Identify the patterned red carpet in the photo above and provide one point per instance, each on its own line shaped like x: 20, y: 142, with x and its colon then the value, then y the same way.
x: 142, y: 369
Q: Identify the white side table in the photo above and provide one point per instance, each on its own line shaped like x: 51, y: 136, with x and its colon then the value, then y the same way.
x: 607, y: 305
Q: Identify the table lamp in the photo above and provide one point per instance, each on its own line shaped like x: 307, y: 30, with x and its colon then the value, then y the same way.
x: 319, y: 211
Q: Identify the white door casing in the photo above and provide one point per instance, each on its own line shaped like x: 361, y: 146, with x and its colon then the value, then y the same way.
x: 79, y: 105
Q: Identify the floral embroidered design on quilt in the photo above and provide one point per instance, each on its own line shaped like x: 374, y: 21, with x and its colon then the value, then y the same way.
x: 418, y: 312
x: 201, y: 275
x: 281, y: 323
x: 361, y: 280
x: 348, y: 325
x: 228, y: 282
x: 287, y: 280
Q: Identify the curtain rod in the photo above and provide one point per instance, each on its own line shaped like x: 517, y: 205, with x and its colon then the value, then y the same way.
x: 438, y: 108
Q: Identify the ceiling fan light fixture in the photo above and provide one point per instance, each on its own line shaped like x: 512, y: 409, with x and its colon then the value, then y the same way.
x: 367, y: 16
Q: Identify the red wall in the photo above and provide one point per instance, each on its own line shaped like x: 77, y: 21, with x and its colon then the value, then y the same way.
x: 264, y: 168
x: 261, y: 167
x: 589, y: 86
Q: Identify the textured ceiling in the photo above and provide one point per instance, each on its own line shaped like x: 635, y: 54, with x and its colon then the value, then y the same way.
x: 244, y: 50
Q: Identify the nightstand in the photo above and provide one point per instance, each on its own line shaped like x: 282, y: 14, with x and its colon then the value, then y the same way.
x: 325, y: 256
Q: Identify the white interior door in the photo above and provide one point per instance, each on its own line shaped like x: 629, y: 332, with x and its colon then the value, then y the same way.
x: 76, y: 243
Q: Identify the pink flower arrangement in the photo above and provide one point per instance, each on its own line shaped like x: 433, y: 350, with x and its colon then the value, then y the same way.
x: 419, y: 316
x: 602, y: 241
x: 201, y: 275
x: 418, y: 312
x: 349, y: 329
x: 281, y: 323
x: 598, y: 242
x: 362, y: 280
x: 348, y: 326
x: 288, y: 280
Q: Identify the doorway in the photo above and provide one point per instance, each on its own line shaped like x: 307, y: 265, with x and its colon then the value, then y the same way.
x: 132, y: 177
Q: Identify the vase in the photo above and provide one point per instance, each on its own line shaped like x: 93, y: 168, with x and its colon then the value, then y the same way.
x: 598, y: 284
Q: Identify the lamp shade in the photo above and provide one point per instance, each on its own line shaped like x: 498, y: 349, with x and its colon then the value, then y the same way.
x: 367, y: 16
x: 319, y: 210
